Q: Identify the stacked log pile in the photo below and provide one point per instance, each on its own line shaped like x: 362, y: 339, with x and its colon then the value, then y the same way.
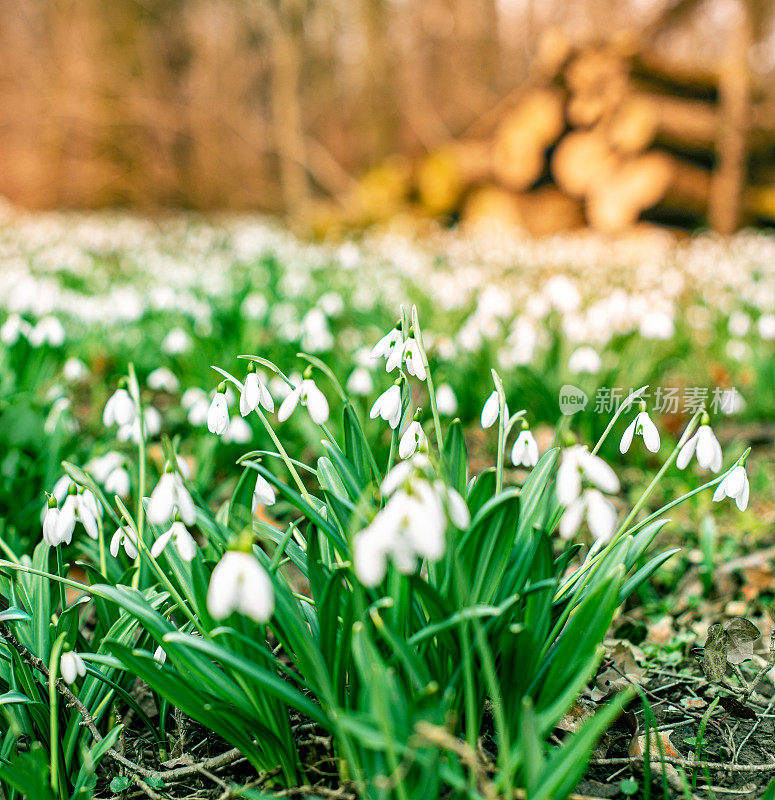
x: 603, y: 138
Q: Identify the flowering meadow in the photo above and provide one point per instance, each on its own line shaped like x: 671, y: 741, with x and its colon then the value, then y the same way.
x: 394, y: 517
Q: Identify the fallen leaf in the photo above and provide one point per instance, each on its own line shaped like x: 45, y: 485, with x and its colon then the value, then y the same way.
x: 714, y: 661
x: 661, y: 631
x: 576, y: 716
x: 741, y: 635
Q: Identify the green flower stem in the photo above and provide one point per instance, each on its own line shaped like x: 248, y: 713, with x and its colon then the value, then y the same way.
x: 501, y: 432
x: 284, y: 455
x: 428, y: 381
x: 61, y: 573
x: 53, y: 669
x: 134, y: 390
x: 101, y: 545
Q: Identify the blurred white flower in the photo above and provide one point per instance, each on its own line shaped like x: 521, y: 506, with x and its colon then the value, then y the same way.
x: 14, y: 327
x: 657, y: 325
x: 412, y: 439
x: 239, y: 583
x: 74, y: 369
x: 316, y: 336
x: 163, y: 379
x: 308, y: 394
x: 254, y: 306
x: 131, y: 432
x: 388, y: 406
x: 766, y: 326
x: 577, y: 463
x: 585, y: 359
x: 600, y: 515
x: 218, y: 414
x: 643, y: 426
x: 739, y: 323
x: 117, y: 482
x: 446, y: 401
x: 178, y: 534
x: 238, y: 431
x: 120, y: 408
x: 71, y: 667
x: 525, y: 449
x: 707, y: 448
x: 48, y: 330
x: 360, y: 382
x: 562, y: 293
x: 734, y: 485
x: 125, y: 537
x: 169, y: 494
x: 177, y: 341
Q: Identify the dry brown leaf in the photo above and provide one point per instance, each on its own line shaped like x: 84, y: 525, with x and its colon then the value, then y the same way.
x: 661, y: 631
x: 576, y: 716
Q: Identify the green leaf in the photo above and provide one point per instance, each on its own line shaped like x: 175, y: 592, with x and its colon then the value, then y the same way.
x: 456, y: 457
x: 120, y: 784
x: 628, y: 787
x: 714, y: 661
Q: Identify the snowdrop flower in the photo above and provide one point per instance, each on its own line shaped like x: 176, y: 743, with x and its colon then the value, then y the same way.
x: 387, y: 344
x: 585, y: 359
x: 360, y: 382
x: 388, y: 406
x: 491, y: 410
x: 159, y: 655
x: 643, y: 426
x: 238, y: 431
x: 14, y: 327
x: 124, y: 536
x: 316, y: 336
x: 74, y: 369
x: 56, y: 528
x: 525, y: 450
x: 739, y: 323
x: 71, y: 667
x: 707, y: 448
x: 132, y: 432
x: 178, y: 534
x: 446, y: 401
x: 254, y: 393
x: 168, y: 495
x: 120, y: 408
x: 163, y: 379
x: 175, y: 342
x: 577, y: 463
x: 412, y: 439
x: 766, y: 326
x: 308, y: 394
x: 48, y: 330
x: 263, y: 494
x: 657, y: 325
x: 81, y: 507
x: 198, y: 411
x: 413, y: 358
x: 239, y: 583
x: 218, y: 414
x: 117, y: 482
x: 600, y: 514
x: 734, y: 485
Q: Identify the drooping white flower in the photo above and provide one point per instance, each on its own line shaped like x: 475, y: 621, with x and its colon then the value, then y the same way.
x: 78, y: 507
x: 600, y: 515
x: 124, y: 536
x: 117, y: 482
x: 120, y: 409
x: 71, y: 667
x: 388, y: 406
x: 13, y: 328
x: 705, y: 444
x: 413, y: 359
x: 308, y: 394
x: 48, y: 330
x: 446, y: 401
x: 57, y: 528
x: 218, y: 413
x: 525, y: 450
x: 412, y: 439
x: 643, y: 426
x: 132, y: 432
x: 385, y: 346
x: 395, y: 356
x: 263, y: 494
x: 175, y: 342
x: 238, y: 431
x: 578, y: 462
x: 239, y: 583
x: 163, y: 379
x: 180, y: 537
x: 734, y: 485
x: 360, y: 382
x: 766, y: 326
x: 254, y: 393
x: 168, y: 495
x: 490, y: 411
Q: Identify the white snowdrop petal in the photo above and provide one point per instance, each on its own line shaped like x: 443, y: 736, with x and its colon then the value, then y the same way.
x: 490, y: 411
x: 626, y: 441
x: 686, y: 452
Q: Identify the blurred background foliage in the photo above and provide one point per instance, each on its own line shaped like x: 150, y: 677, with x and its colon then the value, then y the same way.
x: 547, y: 115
